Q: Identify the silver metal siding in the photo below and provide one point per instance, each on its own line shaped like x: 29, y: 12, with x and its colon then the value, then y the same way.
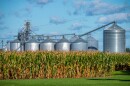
x: 31, y: 46
x: 114, y: 40
x: 14, y: 46
x: 92, y: 42
x: 47, y: 46
x: 79, y: 46
x: 64, y: 46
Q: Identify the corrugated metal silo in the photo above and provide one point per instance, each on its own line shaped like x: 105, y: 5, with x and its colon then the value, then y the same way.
x: 47, y: 45
x: 15, y: 45
x: 7, y: 47
x: 114, y: 39
x: 32, y: 45
x: 79, y: 45
x: 74, y: 38
x: 63, y: 45
x: 92, y: 43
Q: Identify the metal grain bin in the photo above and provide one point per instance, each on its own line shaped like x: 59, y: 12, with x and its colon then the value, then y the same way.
x: 114, y: 39
x: 7, y: 47
x: 92, y: 43
x: 63, y: 45
x: 79, y: 45
x: 32, y: 45
x: 15, y: 45
x: 47, y: 45
x: 74, y: 38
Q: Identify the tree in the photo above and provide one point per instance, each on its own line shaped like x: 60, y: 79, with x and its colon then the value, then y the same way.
x: 127, y: 49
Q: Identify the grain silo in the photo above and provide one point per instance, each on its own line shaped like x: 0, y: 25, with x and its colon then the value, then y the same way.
x: 32, y: 45
x: 79, y: 45
x: 63, y: 45
x: 47, y: 45
x: 15, y: 45
x: 74, y: 38
x: 7, y: 46
x: 92, y: 43
x: 114, y: 39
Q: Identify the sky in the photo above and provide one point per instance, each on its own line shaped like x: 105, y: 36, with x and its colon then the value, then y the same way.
x: 63, y: 16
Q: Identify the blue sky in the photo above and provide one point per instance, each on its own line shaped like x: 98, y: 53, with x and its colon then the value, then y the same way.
x: 63, y: 16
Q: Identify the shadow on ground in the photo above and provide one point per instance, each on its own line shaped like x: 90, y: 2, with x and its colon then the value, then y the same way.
x: 111, y: 80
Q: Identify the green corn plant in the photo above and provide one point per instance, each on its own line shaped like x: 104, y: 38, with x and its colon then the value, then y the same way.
x: 57, y: 64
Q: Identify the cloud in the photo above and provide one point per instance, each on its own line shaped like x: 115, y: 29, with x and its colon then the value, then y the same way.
x: 77, y: 26
x: 28, y: 9
x: 69, y: 12
x: 1, y: 23
x: 128, y: 36
x: 79, y: 6
x: 127, y: 29
x: 8, y: 35
x: 96, y: 7
x: 119, y: 17
x: 3, y: 28
x: 34, y: 28
x: 54, y: 33
x: 1, y: 15
x: 43, y: 2
x: 57, y: 20
x: 40, y: 2
x: 65, y: 2
x: 24, y: 11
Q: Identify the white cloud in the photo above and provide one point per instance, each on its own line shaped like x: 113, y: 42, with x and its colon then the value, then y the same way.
x: 43, y: 2
x: 119, y: 17
x: 3, y: 28
x: 54, y: 33
x: 1, y: 15
x: 96, y: 7
x: 79, y: 4
x: 24, y: 11
x: 1, y: 22
x: 8, y: 35
x: 34, y: 28
x: 40, y: 2
x: 128, y: 29
x: 57, y: 20
x: 77, y: 26
x: 65, y: 2
x: 28, y: 9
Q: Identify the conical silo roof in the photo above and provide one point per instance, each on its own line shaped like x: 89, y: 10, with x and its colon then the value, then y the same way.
x: 74, y: 38
x: 15, y: 41
x: 91, y: 38
x: 79, y: 40
x: 48, y: 40
x: 33, y: 40
x: 115, y: 27
x: 63, y: 40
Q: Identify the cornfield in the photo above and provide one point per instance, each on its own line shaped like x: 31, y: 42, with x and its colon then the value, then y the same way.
x: 56, y: 64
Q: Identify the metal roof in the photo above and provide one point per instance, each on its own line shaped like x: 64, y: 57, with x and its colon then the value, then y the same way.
x: 15, y: 41
x: 63, y: 40
x: 115, y: 27
x: 33, y: 40
x: 74, y: 38
x: 48, y: 40
x: 91, y: 38
x: 79, y: 40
